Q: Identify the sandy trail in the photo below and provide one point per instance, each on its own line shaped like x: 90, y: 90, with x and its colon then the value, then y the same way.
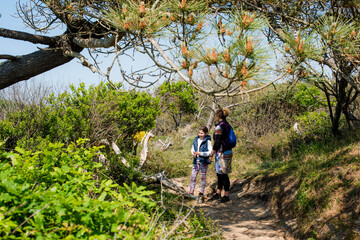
x: 246, y: 217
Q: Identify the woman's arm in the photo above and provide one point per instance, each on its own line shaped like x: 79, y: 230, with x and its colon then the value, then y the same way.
x: 217, y: 140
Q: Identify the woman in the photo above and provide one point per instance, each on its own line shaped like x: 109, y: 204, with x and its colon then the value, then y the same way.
x: 223, y: 155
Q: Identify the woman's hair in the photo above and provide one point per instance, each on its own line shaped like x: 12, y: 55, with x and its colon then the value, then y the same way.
x: 222, y: 113
x: 204, y: 129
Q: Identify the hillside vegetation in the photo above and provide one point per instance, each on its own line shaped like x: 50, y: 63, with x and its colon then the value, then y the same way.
x: 53, y: 184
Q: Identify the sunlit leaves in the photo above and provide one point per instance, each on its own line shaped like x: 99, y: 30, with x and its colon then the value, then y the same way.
x: 58, y: 197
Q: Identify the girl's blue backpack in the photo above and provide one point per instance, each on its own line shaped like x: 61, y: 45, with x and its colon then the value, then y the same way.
x: 231, y: 140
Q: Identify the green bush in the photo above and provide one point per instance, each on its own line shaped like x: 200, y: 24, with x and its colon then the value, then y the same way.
x: 314, y: 125
x: 268, y: 113
x: 55, y: 192
x: 307, y: 97
x: 95, y: 113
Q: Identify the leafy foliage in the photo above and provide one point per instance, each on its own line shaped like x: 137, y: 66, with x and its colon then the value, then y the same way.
x: 314, y: 125
x: 55, y: 193
x: 277, y: 109
x: 178, y: 99
x: 95, y: 113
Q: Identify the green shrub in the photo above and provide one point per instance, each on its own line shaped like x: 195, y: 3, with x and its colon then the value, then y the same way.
x: 314, y: 125
x: 307, y: 97
x: 267, y: 113
x: 95, y: 113
x: 54, y: 193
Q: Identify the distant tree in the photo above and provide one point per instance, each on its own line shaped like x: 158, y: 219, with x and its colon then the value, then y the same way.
x: 177, y: 99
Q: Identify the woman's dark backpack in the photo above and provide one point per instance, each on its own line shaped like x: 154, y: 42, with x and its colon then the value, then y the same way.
x: 231, y: 139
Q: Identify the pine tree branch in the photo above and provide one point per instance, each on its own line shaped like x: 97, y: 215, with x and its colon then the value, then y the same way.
x: 33, y: 38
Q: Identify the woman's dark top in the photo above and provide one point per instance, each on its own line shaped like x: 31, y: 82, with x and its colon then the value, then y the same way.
x: 220, y: 135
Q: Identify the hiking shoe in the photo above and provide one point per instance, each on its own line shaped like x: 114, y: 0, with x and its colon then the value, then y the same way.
x: 214, y: 197
x: 200, y: 198
x: 224, y: 199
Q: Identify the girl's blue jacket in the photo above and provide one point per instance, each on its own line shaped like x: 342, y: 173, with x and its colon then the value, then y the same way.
x: 203, y: 148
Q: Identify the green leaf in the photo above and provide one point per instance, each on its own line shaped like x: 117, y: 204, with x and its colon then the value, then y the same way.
x: 103, y: 196
x: 12, y: 156
x: 20, y: 150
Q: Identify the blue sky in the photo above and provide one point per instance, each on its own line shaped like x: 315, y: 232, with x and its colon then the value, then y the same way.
x: 70, y: 73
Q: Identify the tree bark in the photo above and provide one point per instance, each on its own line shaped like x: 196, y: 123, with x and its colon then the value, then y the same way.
x: 161, y: 178
x: 31, y: 65
x: 212, y: 116
x: 20, y: 68
x: 340, y: 102
x: 28, y: 37
x: 27, y: 66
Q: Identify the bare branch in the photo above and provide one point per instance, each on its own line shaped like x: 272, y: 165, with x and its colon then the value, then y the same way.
x: 98, y: 43
x: 116, y: 150
x: 29, y: 218
x: 160, y: 177
x: 9, y: 57
x: 173, y: 65
x: 180, y: 222
x: 331, y: 63
x: 33, y: 38
x: 251, y: 90
x: 165, y: 145
x: 31, y: 65
x: 83, y: 60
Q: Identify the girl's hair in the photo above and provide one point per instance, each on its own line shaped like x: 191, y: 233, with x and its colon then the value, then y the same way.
x: 204, y: 129
x: 222, y: 113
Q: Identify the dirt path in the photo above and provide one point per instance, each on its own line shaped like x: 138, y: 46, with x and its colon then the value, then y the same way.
x: 246, y: 216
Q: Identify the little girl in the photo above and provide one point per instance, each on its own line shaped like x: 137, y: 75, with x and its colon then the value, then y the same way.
x: 200, y: 150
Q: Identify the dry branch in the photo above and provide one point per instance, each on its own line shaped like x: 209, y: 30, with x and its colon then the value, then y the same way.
x: 29, y: 218
x: 155, y: 178
x: 161, y: 178
x: 116, y: 150
x: 28, y: 37
x: 83, y: 60
x: 98, y: 43
x: 9, y: 57
x: 144, y: 150
x: 165, y: 145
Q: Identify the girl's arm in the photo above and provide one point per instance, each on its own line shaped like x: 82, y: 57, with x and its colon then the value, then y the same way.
x: 193, y: 151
